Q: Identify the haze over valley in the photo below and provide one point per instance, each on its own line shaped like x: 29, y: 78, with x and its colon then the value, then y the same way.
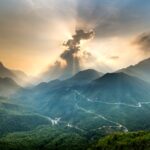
x: 74, y: 75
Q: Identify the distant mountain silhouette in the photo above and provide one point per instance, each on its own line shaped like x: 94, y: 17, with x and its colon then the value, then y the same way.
x: 110, y: 101
x: 140, y: 70
x: 43, y: 86
x: 82, y: 77
x: 8, y: 87
x: 86, y: 76
x: 5, y: 72
x: 118, y: 87
x: 111, y: 87
x: 18, y: 76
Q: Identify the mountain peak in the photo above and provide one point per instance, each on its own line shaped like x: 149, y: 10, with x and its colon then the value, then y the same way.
x: 89, y: 74
x: 144, y: 63
x: 1, y: 64
x: 120, y: 74
x: 113, y: 75
x: 140, y: 70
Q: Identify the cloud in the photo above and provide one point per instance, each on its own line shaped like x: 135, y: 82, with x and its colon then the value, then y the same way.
x: 23, y: 21
x: 73, y: 47
x: 70, y: 57
x: 114, y: 57
x: 114, y: 18
x: 143, y: 41
x: 29, y: 27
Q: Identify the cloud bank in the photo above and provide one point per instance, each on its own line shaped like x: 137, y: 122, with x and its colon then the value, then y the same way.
x: 143, y: 41
x: 70, y: 57
x: 38, y: 27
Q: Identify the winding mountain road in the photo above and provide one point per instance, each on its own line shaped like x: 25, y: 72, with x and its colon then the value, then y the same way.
x: 138, y: 105
x: 102, y: 117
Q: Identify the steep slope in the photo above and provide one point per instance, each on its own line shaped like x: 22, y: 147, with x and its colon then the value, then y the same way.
x: 4, y: 72
x: 121, y: 141
x: 118, y: 87
x: 46, y: 85
x: 14, y: 117
x: 140, y: 70
x: 8, y: 87
x: 44, y: 138
x: 79, y: 79
x: 107, y: 104
x: 86, y: 76
x: 18, y: 76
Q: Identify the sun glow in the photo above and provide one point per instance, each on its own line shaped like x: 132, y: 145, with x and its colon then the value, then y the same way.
x: 107, y: 53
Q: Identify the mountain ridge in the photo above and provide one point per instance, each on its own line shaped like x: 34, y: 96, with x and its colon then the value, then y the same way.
x: 140, y: 70
x: 18, y: 76
x: 117, y: 85
x: 8, y: 87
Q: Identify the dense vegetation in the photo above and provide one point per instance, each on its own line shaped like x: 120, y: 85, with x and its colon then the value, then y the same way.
x: 15, y: 117
x: 56, y: 138
x: 78, y: 114
x: 23, y: 129
x: 44, y: 138
x: 122, y: 141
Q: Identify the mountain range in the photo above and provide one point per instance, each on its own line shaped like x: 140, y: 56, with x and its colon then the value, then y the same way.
x: 140, y: 70
x: 16, y: 75
x: 80, y: 109
x: 118, y: 87
x: 91, y: 100
x: 8, y: 87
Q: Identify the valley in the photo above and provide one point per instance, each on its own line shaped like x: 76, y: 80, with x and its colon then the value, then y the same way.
x: 92, y: 109
x: 74, y: 75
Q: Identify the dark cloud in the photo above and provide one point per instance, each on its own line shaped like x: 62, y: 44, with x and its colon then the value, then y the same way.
x: 114, y: 18
x: 21, y: 23
x: 70, y: 56
x: 73, y: 46
x: 28, y: 25
x: 73, y: 43
x: 143, y: 41
x: 53, y: 72
x: 114, y: 57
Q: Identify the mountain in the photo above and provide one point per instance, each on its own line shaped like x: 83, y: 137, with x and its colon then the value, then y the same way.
x: 45, y: 138
x: 5, y: 72
x: 18, y: 76
x: 88, y: 74
x: 78, y: 110
x: 8, y: 87
x: 16, y: 117
x: 44, y: 86
x: 124, y: 141
x: 118, y: 87
x: 109, y: 103
x: 82, y: 77
x: 140, y: 70
x: 85, y: 76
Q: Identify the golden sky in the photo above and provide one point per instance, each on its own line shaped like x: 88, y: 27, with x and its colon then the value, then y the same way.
x: 32, y: 32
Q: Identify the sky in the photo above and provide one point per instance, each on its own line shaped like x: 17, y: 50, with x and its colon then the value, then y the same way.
x: 32, y: 33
